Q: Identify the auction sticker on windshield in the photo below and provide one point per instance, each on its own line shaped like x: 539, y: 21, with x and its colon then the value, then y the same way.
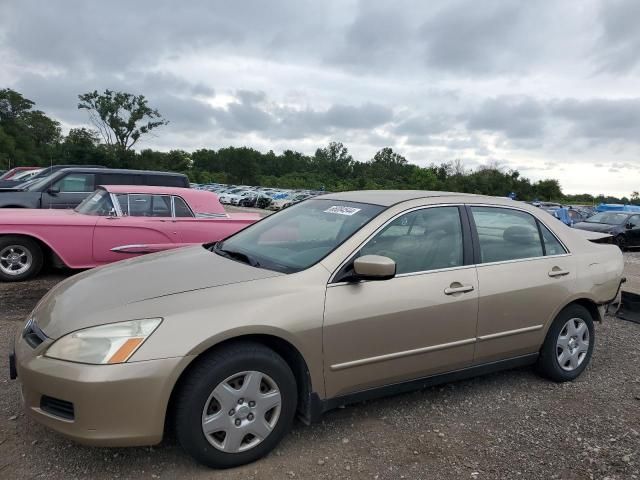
x: 340, y: 210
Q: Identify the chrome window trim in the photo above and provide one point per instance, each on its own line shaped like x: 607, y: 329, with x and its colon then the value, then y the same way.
x: 408, y: 274
x: 471, y: 205
x: 509, y: 207
x: 381, y: 227
x: 173, y: 207
x: 116, y: 204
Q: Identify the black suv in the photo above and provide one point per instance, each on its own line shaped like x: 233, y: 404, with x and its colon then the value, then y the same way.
x: 67, y: 187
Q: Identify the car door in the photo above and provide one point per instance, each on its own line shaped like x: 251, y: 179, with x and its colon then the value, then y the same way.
x: 633, y: 230
x: 524, y: 275
x: 145, y: 224
x: 419, y: 323
x: 68, y: 191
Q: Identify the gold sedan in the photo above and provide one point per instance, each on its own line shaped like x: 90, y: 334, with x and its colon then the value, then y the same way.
x: 334, y: 300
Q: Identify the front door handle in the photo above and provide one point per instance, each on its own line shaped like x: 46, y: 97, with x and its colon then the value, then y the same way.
x: 557, y: 272
x: 460, y: 289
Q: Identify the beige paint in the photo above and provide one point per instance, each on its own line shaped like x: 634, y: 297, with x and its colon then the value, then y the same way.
x: 352, y: 336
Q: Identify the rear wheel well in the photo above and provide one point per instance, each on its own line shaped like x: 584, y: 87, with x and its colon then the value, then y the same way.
x: 590, y: 305
x: 286, y: 350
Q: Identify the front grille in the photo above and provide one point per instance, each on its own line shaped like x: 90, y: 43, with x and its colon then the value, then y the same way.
x: 57, y: 407
x: 32, y: 334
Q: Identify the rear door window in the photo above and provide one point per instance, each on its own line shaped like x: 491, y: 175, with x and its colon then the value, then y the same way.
x: 144, y: 205
x: 506, y: 234
x: 76, y: 182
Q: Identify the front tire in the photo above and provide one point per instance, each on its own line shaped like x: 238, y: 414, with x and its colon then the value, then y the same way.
x: 568, y: 346
x: 20, y: 258
x: 622, y: 242
x: 235, y: 405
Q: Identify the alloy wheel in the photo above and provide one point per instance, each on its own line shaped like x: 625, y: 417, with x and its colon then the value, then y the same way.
x: 15, y: 260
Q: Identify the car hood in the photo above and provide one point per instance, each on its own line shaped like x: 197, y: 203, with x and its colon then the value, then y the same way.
x: 82, y: 300
x: 595, y: 227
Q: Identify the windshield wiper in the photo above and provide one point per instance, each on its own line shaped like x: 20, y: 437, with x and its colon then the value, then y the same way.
x: 235, y: 255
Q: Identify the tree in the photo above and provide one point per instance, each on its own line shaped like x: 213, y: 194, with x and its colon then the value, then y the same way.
x: 121, y: 118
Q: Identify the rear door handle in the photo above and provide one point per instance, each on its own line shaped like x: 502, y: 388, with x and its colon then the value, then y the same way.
x: 556, y: 272
x: 460, y: 289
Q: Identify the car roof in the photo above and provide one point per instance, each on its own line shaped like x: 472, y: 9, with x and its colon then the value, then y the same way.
x: 118, y: 170
x: 200, y: 201
x: 391, y: 197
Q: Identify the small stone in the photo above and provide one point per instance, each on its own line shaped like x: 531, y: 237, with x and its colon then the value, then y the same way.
x: 291, y: 474
x: 415, y: 452
x: 13, y: 417
x: 626, y: 458
x: 345, y: 440
x: 34, y: 442
x: 348, y: 467
x: 321, y: 462
x: 441, y: 435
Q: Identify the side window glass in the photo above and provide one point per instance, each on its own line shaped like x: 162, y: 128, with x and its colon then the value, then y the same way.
x: 551, y: 244
x: 182, y: 210
x: 123, y: 201
x: 634, y: 221
x: 506, y: 234
x: 421, y: 240
x: 160, y: 206
x: 76, y: 182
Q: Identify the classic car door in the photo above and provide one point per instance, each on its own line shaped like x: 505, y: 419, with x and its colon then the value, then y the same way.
x: 524, y: 273
x: 146, y: 220
x: 419, y: 323
x: 633, y: 230
x: 68, y: 191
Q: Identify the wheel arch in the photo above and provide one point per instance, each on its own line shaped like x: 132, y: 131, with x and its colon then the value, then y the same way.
x: 291, y: 355
x: 51, y: 256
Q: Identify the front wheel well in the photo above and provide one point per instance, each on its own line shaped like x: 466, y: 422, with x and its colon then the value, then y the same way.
x: 286, y: 350
x: 50, y: 256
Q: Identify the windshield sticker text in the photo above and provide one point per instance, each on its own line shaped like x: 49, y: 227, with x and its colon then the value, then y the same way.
x: 342, y: 210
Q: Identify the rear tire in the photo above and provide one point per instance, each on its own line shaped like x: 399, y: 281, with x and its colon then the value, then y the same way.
x: 568, y: 346
x: 243, y: 422
x: 20, y: 258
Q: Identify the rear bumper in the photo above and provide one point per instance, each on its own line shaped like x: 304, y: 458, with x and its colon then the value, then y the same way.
x: 112, y: 405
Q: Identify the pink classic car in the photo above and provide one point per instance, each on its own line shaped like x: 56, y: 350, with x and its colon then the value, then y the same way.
x: 114, y: 223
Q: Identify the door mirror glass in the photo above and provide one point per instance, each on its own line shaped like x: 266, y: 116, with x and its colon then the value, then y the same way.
x: 630, y: 226
x: 53, y: 190
x: 374, y: 267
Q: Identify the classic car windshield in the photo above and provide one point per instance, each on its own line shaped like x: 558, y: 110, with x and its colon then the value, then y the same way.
x: 298, y: 237
x: 99, y: 203
x: 608, y: 218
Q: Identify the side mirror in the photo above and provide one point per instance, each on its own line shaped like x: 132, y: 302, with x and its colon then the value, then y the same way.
x: 53, y: 190
x: 630, y: 226
x: 374, y: 267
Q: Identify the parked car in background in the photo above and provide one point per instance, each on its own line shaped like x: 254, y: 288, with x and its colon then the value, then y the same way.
x: 11, y: 174
x: 114, y: 223
x: 67, y: 187
x: 255, y: 200
x: 44, y: 172
x: 26, y: 175
x: 623, y: 226
x: 332, y: 301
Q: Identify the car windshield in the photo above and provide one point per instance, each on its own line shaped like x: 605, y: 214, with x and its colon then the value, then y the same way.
x: 610, y: 218
x: 98, y: 204
x: 298, y: 237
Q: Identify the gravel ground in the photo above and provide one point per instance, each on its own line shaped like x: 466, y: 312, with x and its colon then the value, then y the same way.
x: 507, y: 425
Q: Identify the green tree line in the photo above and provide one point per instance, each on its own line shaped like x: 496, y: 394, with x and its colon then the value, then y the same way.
x: 28, y: 137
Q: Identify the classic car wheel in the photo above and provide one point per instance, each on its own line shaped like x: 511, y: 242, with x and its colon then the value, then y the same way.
x: 568, y: 346
x: 20, y: 258
x: 235, y: 405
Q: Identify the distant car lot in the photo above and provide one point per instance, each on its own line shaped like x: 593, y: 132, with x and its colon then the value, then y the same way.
x: 510, y: 424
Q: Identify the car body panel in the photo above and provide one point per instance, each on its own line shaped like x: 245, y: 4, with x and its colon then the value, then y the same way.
x: 353, y: 337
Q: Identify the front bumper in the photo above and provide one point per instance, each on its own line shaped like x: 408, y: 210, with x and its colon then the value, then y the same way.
x: 112, y: 405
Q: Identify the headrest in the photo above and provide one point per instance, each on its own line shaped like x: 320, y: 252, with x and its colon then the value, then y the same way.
x: 520, y: 235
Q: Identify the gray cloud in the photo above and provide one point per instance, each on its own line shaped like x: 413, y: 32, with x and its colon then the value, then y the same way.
x: 620, y: 37
x: 516, y: 117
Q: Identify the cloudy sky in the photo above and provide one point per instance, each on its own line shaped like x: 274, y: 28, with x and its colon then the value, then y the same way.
x: 549, y: 88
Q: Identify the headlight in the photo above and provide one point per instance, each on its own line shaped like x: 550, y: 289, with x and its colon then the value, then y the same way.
x: 105, y: 344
